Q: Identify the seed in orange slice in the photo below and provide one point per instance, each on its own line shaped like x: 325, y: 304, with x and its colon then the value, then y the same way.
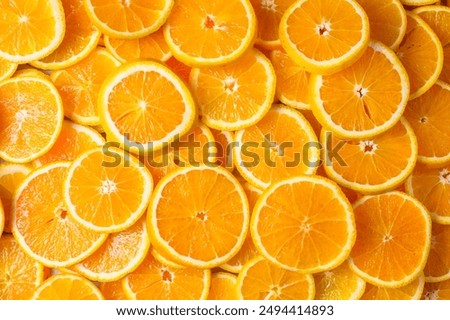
x: 393, y: 239
x: 259, y: 279
x: 431, y: 186
x: 437, y: 268
x: 80, y: 83
x: 223, y: 143
x: 46, y: 234
x: 219, y: 31
x: 340, y: 283
x: 421, y: 54
x: 324, y: 36
x: 107, y: 189
x: 80, y: 39
x: 371, y: 165
x: 112, y: 290
x: 34, y: 30
x: 223, y: 286
x: 303, y: 224
x: 147, y: 118
x: 32, y: 116
x: 235, y: 95
x: 20, y: 275
x: 412, y: 291
x: 7, y: 69
x: 198, y: 216
x: 155, y: 281
x: 353, y: 102
x: 67, y: 287
x: 129, y: 19
x: 436, y: 291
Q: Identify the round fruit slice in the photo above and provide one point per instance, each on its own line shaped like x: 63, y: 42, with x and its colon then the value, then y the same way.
x: 198, y: 216
x: 67, y: 287
x: 436, y: 291
x: 303, y: 224
x: 412, y: 291
x: 280, y: 146
x: 340, y: 283
x: 431, y: 186
x: 107, y: 189
x: 146, y: 118
x: 437, y: 268
x: 47, y: 233
x: 7, y: 69
x: 259, y: 279
x: 219, y: 31
x: 33, y: 30
x: 371, y: 165
x: 112, y: 290
x: 20, y: 275
x: 324, y: 36
x: 236, y: 95
x: 417, y: 2
x: 223, y: 287
x: 32, y: 116
x: 155, y: 281
x: 393, y: 239
x: 352, y: 103
x: 129, y: 19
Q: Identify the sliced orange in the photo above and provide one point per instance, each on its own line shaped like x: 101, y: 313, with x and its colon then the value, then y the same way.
x: 393, y: 239
x: 155, y: 281
x: 128, y: 19
x: 20, y: 275
x: 387, y: 20
x: 436, y: 291
x: 7, y: 69
x: 80, y: 39
x: 303, y: 224
x: 67, y: 287
x: 153, y: 46
x: 340, y: 283
x: 107, y: 190
x: 259, y: 279
x: 429, y: 116
x: 32, y: 116
x: 79, y: 85
x: 47, y: 233
x: 353, y: 103
x: 292, y: 80
x: 421, y: 54
x: 34, y: 29
x: 198, y: 216
x: 417, y: 2
x: 371, y: 165
x: 219, y: 31
x: 182, y: 70
x: 324, y: 36
x: 223, y: 287
x: 431, y: 186
x: 121, y: 254
x: 164, y: 260
x: 437, y: 268
x: 236, y: 95
x: 146, y: 118
x: 113, y: 290
x: 31, y: 72
x: 412, y: 291
x: 224, y: 142
x: 73, y: 140
x: 281, y: 145
x: 438, y: 18
x: 2, y: 217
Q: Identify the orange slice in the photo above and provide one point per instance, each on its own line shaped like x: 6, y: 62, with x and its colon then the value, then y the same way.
x: 80, y: 39
x: 412, y: 291
x: 121, y: 254
x: 421, y: 54
x: 436, y: 291
x: 129, y: 19
x: 371, y: 165
x: 7, y: 69
x: 32, y: 116
x: 393, y: 239
x: 223, y: 287
x: 164, y: 260
x: 437, y: 268
x: 352, y: 103
x: 431, y: 186
x: 224, y: 29
x: 324, y: 36
x: 259, y: 279
x: 79, y: 86
x: 2, y: 217
x: 146, y: 118
x: 198, y: 216
x: 236, y: 95
x: 46, y: 234
x: 279, y: 146
x: 113, y: 290
x: 303, y: 224
x: 34, y: 30
x: 179, y: 68
x: 107, y: 189
x: 417, y: 2
x: 223, y: 143
x: 155, y: 281
x: 67, y: 287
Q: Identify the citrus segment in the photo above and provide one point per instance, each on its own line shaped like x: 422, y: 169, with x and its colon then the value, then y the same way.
x: 112, y: 290
x: 436, y: 291
x: 412, y: 291
x: 437, y: 268
x: 7, y: 69
x: 223, y: 143
x: 223, y: 287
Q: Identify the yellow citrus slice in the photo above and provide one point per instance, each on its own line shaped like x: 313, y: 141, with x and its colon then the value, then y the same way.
x: 417, y: 2
x: 223, y: 287
x: 7, y: 69
x: 437, y: 268
x: 436, y: 291
x: 412, y: 291
x: 164, y: 260
x: 112, y: 290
